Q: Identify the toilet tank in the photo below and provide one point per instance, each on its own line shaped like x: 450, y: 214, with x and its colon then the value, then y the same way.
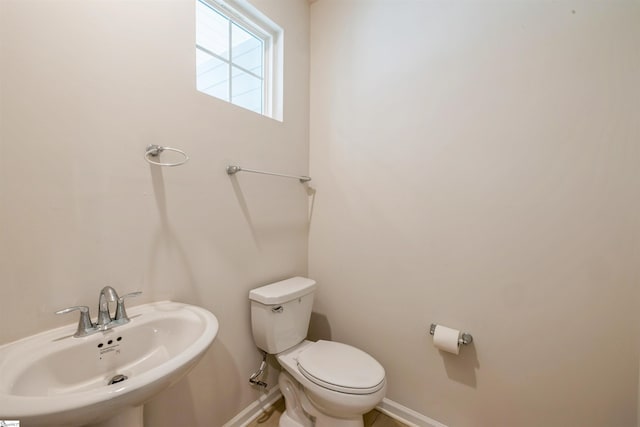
x: 280, y: 313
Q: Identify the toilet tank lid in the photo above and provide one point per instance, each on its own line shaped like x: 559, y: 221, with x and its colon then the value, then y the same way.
x: 283, y: 291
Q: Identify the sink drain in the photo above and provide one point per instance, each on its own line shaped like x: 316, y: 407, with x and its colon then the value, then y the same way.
x: 118, y: 379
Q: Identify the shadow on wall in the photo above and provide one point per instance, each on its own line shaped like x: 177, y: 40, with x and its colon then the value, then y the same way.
x: 462, y: 367
x: 311, y: 194
x: 166, y: 245
x: 212, y: 385
x: 319, y: 328
x: 242, y: 201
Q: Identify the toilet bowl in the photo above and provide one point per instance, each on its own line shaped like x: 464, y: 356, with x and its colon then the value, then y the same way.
x: 339, y: 380
x: 324, y: 383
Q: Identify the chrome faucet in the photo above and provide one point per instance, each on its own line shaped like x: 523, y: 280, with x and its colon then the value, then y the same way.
x: 107, y: 295
x: 104, y: 320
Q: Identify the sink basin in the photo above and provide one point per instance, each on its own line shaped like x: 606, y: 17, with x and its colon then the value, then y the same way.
x: 53, y: 379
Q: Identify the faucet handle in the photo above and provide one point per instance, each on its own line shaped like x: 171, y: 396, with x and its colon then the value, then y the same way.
x: 85, y: 325
x: 129, y: 295
x: 121, y: 312
x: 81, y: 308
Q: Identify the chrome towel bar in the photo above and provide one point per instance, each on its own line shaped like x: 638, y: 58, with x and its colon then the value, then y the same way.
x: 232, y: 170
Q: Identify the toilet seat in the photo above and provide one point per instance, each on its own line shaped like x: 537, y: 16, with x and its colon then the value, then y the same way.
x: 341, y: 367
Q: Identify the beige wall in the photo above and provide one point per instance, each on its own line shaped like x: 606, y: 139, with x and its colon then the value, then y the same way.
x: 86, y: 86
x: 476, y: 165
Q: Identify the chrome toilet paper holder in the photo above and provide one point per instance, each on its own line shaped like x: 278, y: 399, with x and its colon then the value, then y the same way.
x: 465, y: 338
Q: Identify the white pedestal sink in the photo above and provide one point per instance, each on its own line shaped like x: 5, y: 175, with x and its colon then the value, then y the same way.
x: 53, y: 379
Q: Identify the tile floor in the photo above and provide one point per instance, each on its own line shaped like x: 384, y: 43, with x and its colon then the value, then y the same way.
x: 270, y: 418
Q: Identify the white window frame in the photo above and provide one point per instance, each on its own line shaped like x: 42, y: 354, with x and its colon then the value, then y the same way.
x: 247, y: 17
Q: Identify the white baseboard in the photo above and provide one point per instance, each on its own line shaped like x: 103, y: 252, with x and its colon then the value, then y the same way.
x: 405, y: 415
x: 255, y: 409
x: 388, y: 407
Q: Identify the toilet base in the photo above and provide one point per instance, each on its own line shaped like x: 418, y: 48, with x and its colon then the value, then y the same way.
x: 300, y: 412
x: 287, y: 421
x: 338, y: 422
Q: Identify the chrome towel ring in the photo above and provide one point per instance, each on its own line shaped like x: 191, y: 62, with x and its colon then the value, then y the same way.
x: 155, y: 150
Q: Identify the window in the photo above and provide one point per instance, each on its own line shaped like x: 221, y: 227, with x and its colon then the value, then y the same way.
x: 237, y: 56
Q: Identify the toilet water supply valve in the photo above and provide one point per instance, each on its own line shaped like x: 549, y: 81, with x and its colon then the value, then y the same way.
x: 254, y: 378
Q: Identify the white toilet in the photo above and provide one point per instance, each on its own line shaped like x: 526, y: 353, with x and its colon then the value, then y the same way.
x: 324, y: 383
